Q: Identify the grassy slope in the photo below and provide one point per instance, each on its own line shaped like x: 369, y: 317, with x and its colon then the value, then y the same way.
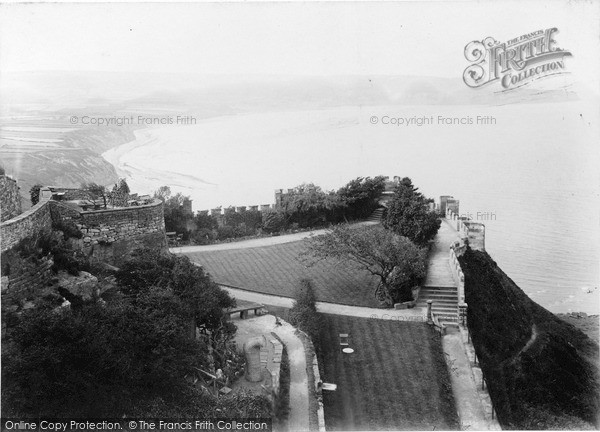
x: 278, y: 269
x: 395, y: 380
x: 546, y: 381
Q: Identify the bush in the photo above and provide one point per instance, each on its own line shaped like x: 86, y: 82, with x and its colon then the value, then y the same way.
x: 98, y: 360
x: 68, y: 228
x: 40, y: 245
x: 273, y: 222
x: 408, y: 214
x: 303, y: 313
x: 34, y: 194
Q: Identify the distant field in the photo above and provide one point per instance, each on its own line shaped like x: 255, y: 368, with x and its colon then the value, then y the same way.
x: 396, y: 379
x: 278, y: 270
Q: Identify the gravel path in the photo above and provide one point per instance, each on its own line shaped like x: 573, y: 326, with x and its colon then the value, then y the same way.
x: 258, y: 242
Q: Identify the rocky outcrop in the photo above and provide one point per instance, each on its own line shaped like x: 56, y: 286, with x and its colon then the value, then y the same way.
x: 84, y: 286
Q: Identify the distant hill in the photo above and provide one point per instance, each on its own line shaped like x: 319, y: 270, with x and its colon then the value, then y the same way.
x: 49, y: 98
x: 542, y: 372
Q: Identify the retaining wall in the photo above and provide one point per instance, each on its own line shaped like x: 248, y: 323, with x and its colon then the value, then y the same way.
x: 27, y: 281
x: 24, y: 225
x: 10, y: 199
x: 112, y: 235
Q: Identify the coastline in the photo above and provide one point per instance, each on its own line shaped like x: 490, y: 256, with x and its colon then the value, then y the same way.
x: 589, y: 324
x: 235, y: 160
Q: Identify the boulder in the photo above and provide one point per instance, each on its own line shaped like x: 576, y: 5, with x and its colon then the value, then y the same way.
x: 84, y: 286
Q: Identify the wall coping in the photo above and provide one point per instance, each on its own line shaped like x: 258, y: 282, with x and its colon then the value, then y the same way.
x: 26, y: 214
x: 157, y: 202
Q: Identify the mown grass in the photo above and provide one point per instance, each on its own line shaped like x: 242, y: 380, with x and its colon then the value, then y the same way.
x: 278, y: 270
x: 396, y: 379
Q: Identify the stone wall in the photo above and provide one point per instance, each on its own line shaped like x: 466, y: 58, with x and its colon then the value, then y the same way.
x: 473, y: 232
x: 28, y: 281
x: 111, y: 235
x: 33, y: 220
x: 10, y: 200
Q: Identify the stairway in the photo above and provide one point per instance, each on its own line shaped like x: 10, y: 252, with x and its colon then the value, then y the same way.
x: 445, y: 302
x: 439, y: 285
x: 376, y: 215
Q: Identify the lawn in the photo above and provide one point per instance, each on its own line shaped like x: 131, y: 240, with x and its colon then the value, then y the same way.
x: 395, y: 380
x: 278, y: 270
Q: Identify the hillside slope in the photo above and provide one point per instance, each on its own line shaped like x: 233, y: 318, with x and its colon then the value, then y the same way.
x: 542, y: 372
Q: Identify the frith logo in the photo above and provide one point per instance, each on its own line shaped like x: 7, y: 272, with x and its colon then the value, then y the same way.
x: 516, y: 62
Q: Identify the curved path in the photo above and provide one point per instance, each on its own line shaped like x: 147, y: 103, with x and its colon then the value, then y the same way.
x: 258, y: 242
x: 298, y: 419
x: 415, y: 314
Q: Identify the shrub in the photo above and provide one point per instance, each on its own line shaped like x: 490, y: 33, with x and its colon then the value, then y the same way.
x: 68, y: 228
x: 303, y: 313
x: 408, y: 214
x: 34, y: 194
x: 273, y: 222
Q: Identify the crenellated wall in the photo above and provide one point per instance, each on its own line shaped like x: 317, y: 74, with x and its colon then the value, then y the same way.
x: 10, y: 200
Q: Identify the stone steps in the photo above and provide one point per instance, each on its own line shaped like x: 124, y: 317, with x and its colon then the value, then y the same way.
x: 376, y: 215
x: 445, y: 302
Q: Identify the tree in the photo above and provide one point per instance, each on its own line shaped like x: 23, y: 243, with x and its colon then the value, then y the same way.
x: 123, y: 187
x: 307, y: 205
x: 34, y: 193
x: 408, y: 214
x: 163, y: 193
x: 203, y: 298
x: 95, y: 192
x: 176, y: 219
x: 98, y: 360
x: 273, y: 221
x: 360, y: 197
x: 399, y: 263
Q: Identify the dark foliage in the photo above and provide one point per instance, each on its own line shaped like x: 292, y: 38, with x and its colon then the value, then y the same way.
x: 541, y: 371
x: 360, y: 196
x: 68, y: 228
x: 34, y: 193
x: 98, y: 360
x: 204, y: 300
x: 395, y: 260
x: 303, y: 313
x: 408, y: 214
x: 45, y: 244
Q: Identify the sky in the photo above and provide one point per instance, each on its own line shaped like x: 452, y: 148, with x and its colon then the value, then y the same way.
x: 292, y: 38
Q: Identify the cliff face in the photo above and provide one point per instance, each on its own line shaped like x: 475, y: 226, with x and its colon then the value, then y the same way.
x: 542, y: 372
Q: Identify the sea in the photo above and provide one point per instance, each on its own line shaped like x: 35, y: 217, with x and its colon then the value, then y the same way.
x: 529, y: 172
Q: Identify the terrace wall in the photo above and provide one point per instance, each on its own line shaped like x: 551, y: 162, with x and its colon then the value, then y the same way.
x: 10, y: 200
x: 112, y: 235
x: 25, y: 224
